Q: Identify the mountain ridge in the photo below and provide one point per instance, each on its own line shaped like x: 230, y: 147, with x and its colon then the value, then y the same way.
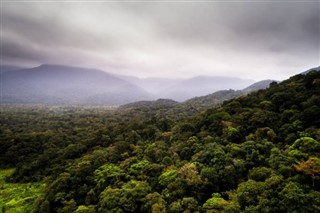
x: 58, y: 84
x: 203, y: 85
x: 206, y: 101
x: 64, y: 85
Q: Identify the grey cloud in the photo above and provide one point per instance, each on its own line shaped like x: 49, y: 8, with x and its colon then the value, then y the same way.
x: 13, y: 49
x: 167, y: 38
x: 253, y: 25
x: 52, y: 33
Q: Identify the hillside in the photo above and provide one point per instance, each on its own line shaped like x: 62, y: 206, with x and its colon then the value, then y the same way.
x: 200, y: 103
x: 217, y: 98
x: 255, y: 153
x: 257, y: 86
x: 212, y: 100
x: 62, y: 85
x: 312, y: 69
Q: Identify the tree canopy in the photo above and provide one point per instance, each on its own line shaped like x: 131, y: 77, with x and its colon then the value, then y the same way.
x: 255, y: 153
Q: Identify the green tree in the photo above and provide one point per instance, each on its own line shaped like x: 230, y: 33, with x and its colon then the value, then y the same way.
x: 128, y: 198
x: 107, y: 174
x: 216, y: 202
x: 293, y: 198
x: 154, y: 203
x: 303, y: 148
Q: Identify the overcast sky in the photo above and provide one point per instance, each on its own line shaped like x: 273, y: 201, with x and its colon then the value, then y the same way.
x: 248, y: 39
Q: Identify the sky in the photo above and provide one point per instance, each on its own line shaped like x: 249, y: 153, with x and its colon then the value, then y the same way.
x: 173, y: 39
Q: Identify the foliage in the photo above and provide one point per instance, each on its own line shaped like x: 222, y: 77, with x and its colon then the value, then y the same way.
x: 18, y: 197
x: 310, y: 167
x: 255, y: 153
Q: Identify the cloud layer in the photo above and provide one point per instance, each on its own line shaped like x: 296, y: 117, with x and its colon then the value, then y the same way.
x: 166, y: 39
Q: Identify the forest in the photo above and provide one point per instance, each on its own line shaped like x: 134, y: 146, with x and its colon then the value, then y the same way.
x: 256, y: 153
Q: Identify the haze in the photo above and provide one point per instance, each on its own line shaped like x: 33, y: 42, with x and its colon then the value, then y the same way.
x: 248, y: 39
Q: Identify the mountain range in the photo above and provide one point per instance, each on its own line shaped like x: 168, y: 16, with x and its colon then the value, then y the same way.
x: 65, y: 85
x: 203, y: 85
x: 184, y: 89
x: 202, y: 102
x: 62, y: 85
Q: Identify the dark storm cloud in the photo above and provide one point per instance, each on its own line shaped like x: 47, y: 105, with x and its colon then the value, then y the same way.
x: 20, y: 51
x: 166, y: 38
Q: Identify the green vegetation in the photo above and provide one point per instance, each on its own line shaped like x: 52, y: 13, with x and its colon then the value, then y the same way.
x: 256, y: 153
x: 18, y: 197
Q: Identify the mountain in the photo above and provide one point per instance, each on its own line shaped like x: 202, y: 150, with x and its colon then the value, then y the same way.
x: 152, y: 85
x: 309, y: 70
x: 191, y: 105
x: 216, y: 98
x: 65, y: 85
x: 180, y: 89
x: 258, y: 85
x: 202, y: 85
x: 56, y: 84
x: 199, y: 103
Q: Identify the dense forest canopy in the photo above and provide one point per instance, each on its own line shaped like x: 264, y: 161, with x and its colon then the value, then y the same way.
x: 256, y: 153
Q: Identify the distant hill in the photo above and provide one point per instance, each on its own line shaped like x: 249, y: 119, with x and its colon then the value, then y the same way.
x: 197, y: 103
x: 65, y: 85
x: 213, y: 99
x: 56, y: 84
x: 258, y: 85
x: 312, y: 69
x: 152, y: 85
x: 216, y: 98
x: 202, y: 102
x: 203, y: 85
x: 180, y: 89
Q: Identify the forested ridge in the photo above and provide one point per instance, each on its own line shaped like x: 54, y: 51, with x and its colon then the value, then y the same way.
x: 256, y: 153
